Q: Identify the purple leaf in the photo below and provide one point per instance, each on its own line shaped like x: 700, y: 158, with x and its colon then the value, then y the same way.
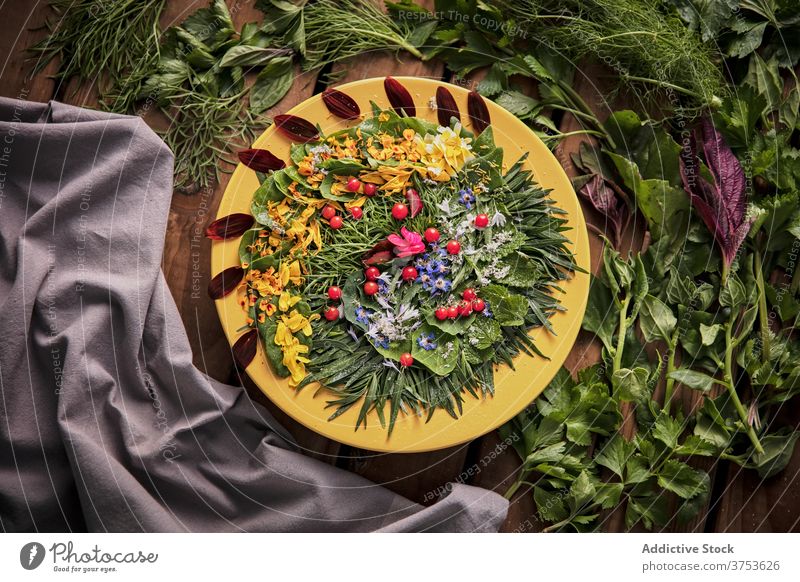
x: 721, y: 203
x: 606, y: 202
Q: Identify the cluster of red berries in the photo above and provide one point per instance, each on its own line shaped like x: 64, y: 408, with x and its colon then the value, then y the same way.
x: 470, y: 303
x: 353, y: 185
x: 332, y: 312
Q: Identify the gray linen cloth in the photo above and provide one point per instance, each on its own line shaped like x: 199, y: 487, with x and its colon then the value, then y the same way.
x: 105, y: 424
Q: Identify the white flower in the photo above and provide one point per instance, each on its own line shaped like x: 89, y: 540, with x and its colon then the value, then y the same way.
x: 352, y: 333
x: 432, y: 104
x: 444, y: 206
x: 498, y: 219
x: 390, y: 364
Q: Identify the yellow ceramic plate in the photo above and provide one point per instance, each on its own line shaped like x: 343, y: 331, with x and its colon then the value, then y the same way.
x: 514, y: 389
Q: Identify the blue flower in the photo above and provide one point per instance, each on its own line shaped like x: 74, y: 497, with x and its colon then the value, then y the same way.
x: 436, y: 267
x: 466, y: 197
x: 441, y: 285
x: 362, y: 315
x: 382, y: 342
x: 425, y: 279
x: 425, y: 341
x: 383, y: 287
x: 486, y: 311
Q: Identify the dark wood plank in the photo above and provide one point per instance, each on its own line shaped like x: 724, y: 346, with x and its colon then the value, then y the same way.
x: 21, y: 26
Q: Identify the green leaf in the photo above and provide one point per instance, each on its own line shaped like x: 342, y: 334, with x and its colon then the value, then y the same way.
x: 271, y: 84
x: 441, y: 360
x: 697, y: 446
x: 242, y: 55
x: 518, y: 104
x: 656, y: 320
x: 484, y: 332
x: 682, y: 479
x: 709, y: 333
x: 778, y: 449
x: 581, y: 492
x: 507, y: 308
x: 550, y: 506
x: 614, y: 454
x: 667, y: 429
x: 601, y: 316
x: 693, y: 379
x: 631, y: 385
x: 733, y: 294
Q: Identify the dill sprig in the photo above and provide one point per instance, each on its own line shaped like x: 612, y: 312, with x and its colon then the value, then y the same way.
x: 651, y: 51
x: 339, y: 29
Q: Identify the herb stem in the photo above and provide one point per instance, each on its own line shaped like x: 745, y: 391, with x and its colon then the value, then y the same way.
x: 623, y: 328
x: 763, y: 316
x: 751, y: 433
x: 670, y: 385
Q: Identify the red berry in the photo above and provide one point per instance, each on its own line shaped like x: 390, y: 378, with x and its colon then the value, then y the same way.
x: 328, y: 212
x: 334, y: 293
x: 465, y: 308
x: 454, y: 247
x: 372, y: 273
x: 441, y: 313
x: 353, y: 184
x: 469, y: 294
x: 336, y: 222
x: 399, y: 211
x: 406, y: 360
x: 431, y: 235
x: 356, y: 212
x: 478, y: 305
x: 332, y: 313
x: 370, y: 287
x: 409, y: 273
x: 370, y: 189
x: 481, y: 221
x: 452, y: 312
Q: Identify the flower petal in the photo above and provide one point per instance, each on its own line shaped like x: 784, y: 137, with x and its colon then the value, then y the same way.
x: 244, y: 350
x: 446, y: 107
x: 340, y: 104
x: 225, y: 282
x: 296, y: 128
x: 399, y: 97
x: 478, y: 111
x: 229, y: 226
x: 260, y: 160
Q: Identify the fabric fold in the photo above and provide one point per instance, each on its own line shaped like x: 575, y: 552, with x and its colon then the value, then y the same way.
x: 106, y: 424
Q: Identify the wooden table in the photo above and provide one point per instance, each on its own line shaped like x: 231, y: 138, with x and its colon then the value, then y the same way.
x: 740, y: 501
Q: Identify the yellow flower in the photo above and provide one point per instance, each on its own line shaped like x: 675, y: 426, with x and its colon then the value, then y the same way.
x: 294, y: 359
x: 444, y: 153
x: 266, y: 283
x: 287, y: 301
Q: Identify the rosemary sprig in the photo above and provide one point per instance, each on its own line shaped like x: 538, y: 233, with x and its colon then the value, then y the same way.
x: 86, y: 36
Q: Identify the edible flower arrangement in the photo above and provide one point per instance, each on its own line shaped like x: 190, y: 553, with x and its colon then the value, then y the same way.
x: 396, y: 261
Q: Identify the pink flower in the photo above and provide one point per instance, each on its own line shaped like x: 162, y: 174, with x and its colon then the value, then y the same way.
x: 410, y: 243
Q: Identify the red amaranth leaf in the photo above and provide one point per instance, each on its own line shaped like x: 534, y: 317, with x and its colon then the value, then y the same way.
x: 229, y: 226
x: 244, y: 350
x: 379, y: 254
x: 478, y: 111
x: 340, y: 104
x: 261, y: 160
x: 225, y: 282
x: 721, y: 203
x: 607, y: 203
x: 399, y: 97
x: 446, y: 107
x: 414, y: 202
x: 296, y: 128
